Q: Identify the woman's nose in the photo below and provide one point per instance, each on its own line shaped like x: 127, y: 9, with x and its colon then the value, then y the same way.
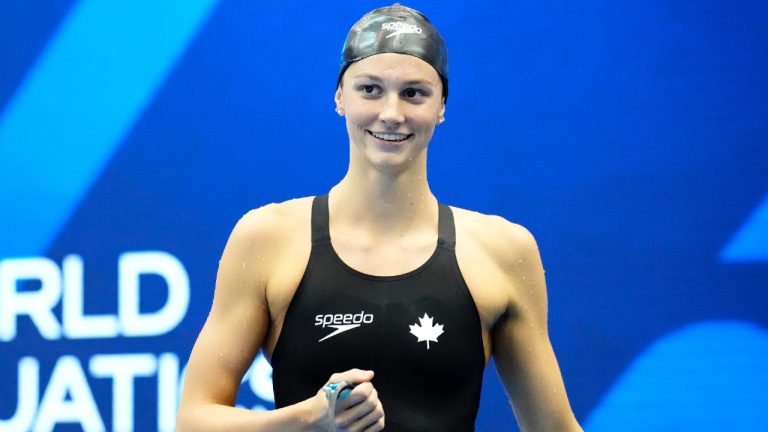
x: 392, y: 110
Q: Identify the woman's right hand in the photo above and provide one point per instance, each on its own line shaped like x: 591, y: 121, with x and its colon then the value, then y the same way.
x: 359, y: 411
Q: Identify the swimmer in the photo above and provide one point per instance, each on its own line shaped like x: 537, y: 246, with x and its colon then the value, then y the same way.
x: 378, y: 306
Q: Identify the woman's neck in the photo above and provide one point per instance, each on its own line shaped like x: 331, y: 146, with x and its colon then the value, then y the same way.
x: 384, y: 202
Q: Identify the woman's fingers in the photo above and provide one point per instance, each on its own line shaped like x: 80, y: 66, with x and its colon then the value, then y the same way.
x: 355, y: 376
x: 373, y: 421
x: 360, y: 410
x: 358, y: 395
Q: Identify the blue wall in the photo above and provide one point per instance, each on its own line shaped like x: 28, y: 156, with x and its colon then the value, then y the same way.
x: 629, y: 137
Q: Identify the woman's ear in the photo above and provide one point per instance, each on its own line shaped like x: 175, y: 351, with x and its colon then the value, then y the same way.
x: 339, y: 103
x: 441, y: 115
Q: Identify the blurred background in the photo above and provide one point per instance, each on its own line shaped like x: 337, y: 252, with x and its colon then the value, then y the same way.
x: 629, y: 137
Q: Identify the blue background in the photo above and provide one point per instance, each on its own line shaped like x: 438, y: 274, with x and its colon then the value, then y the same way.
x: 629, y: 137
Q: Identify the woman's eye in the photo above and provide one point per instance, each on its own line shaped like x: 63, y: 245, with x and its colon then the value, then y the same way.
x: 412, y: 93
x: 369, y: 89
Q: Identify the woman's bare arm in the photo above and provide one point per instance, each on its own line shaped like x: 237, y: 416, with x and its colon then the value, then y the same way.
x: 523, y: 354
x: 231, y: 337
x: 234, y: 332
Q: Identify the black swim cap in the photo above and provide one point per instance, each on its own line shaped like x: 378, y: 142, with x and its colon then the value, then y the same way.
x: 396, y: 29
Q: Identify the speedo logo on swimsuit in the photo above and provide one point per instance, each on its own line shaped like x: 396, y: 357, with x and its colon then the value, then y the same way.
x: 400, y: 28
x: 342, y: 322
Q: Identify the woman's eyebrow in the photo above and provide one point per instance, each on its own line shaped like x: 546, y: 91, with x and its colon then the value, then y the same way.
x: 409, y: 82
x: 419, y: 82
x: 368, y: 76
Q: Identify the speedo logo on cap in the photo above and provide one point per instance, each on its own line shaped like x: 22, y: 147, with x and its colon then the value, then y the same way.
x: 398, y: 27
x: 342, y: 322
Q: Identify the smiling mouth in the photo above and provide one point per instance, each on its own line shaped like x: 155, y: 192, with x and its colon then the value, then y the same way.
x: 389, y: 136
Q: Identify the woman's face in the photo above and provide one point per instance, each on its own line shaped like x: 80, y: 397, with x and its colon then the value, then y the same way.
x: 392, y: 103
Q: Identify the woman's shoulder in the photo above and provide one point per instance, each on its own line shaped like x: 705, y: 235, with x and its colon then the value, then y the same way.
x: 278, y: 215
x: 497, y: 236
x: 275, y: 222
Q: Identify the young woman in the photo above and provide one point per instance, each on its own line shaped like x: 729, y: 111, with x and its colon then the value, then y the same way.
x: 377, y: 287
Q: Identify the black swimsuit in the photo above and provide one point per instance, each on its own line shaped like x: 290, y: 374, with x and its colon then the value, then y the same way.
x: 419, y: 332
